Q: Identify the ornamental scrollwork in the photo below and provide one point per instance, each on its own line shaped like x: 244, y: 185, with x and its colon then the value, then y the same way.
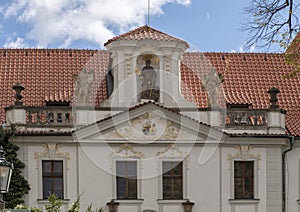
x: 52, y: 151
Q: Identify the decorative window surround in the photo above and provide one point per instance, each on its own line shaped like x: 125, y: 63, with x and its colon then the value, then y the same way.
x: 244, y: 153
x: 52, y: 152
x: 244, y: 201
x: 171, y: 201
x: 184, y: 177
x: 114, y: 187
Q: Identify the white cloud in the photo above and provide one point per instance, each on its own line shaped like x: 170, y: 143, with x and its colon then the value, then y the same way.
x: 65, y: 21
x: 207, y: 16
x: 18, y: 43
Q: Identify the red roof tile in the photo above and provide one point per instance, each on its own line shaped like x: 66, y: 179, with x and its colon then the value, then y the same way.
x: 48, y: 74
x: 145, y: 33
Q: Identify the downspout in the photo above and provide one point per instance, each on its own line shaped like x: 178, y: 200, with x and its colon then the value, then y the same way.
x: 292, y: 139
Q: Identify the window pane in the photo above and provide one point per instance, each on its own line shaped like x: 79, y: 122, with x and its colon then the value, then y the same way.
x: 172, y: 180
x: 131, y: 166
x: 120, y: 168
x: 243, y: 179
x: 47, y: 168
x: 238, y: 188
x: 121, y: 188
x: 57, y: 183
x: 132, y: 189
x: 57, y: 168
x: 52, y: 178
x: 178, y: 169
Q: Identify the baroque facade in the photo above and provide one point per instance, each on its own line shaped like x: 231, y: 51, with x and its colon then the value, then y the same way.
x: 147, y: 125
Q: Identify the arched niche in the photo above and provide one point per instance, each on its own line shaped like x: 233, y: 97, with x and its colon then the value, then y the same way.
x: 147, y: 69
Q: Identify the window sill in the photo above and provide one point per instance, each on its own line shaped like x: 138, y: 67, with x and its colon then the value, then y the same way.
x: 129, y: 201
x: 171, y: 201
x: 244, y: 201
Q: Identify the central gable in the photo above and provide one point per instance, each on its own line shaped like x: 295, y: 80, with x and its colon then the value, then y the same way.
x: 148, y: 123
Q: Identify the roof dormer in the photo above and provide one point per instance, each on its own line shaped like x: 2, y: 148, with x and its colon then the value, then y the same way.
x: 146, y: 67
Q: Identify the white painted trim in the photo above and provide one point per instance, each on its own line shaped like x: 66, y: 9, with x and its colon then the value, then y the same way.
x: 40, y: 176
x: 139, y: 182
x: 184, y: 176
x: 244, y: 201
x: 255, y: 186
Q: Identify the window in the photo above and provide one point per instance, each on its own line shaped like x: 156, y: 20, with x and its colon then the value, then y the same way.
x: 126, y: 179
x: 172, y: 180
x: 243, y: 179
x: 52, y: 178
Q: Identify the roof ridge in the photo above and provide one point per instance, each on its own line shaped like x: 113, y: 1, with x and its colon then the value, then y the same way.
x: 142, y: 29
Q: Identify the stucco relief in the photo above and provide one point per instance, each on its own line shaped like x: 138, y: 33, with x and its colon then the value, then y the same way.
x: 52, y: 151
x: 173, y: 151
x: 127, y: 151
x: 149, y: 126
x: 244, y: 152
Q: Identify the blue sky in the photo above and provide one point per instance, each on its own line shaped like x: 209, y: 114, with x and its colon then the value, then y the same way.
x: 206, y: 25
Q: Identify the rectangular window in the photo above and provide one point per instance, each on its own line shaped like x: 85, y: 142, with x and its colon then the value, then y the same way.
x: 172, y: 180
x: 52, y: 178
x: 244, y: 179
x: 126, y: 179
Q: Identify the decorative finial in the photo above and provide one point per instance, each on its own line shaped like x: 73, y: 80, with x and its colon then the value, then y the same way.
x: 18, y: 88
x: 273, y: 94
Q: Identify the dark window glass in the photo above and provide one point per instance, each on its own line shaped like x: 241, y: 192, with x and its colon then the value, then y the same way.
x: 52, y: 178
x: 243, y: 179
x: 126, y: 179
x: 172, y: 180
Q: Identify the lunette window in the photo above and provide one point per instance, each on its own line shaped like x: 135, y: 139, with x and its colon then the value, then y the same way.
x: 53, y: 178
x: 172, y: 180
x: 126, y: 179
x: 243, y: 179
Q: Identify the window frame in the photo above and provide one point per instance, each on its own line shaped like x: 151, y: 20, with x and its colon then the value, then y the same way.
x: 255, y: 178
x: 127, y: 178
x: 114, y: 176
x: 172, y: 177
x: 184, y: 177
x: 52, y: 177
x: 243, y: 178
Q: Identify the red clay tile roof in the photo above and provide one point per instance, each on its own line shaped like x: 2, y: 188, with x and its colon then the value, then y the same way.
x: 248, y: 77
x: 145, y: 33
x: 48, y: 74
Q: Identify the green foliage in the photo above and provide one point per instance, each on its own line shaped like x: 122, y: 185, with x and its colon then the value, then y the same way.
x: 75, y: 206
x: 19, y: 185
x: 34, y: 209
x: 55, y: 203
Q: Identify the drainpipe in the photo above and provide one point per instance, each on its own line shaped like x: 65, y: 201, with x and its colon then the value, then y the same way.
x: 292, y: 139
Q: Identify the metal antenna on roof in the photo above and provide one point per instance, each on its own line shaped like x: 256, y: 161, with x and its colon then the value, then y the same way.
x: 148, y: 13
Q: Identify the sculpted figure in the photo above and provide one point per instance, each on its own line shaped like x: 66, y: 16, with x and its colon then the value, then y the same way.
x: 148, y: 76
x: 211, y: 83
x: 83, y: 86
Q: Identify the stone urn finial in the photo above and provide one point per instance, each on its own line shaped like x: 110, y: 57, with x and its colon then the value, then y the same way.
x: 273, y: 97
x: 113, y: 206
x: 18, y: 89
x: 187, y: 206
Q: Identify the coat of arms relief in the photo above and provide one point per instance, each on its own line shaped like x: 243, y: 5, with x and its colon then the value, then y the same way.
x: 147, y: 127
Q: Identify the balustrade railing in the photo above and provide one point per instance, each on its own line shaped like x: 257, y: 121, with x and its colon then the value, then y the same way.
x: 246, y: 117
x: 49, y: 115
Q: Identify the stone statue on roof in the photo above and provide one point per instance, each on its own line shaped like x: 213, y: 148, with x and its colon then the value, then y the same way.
x: 211, y: 83
x: 148, y: 75
x: 83, y: 83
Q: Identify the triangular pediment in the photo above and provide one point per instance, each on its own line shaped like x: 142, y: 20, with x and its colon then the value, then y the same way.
x: 149, y: 123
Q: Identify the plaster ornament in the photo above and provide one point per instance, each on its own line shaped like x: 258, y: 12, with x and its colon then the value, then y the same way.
x: 83, y: 83
x: 147, y: 127
x: 52, y: 151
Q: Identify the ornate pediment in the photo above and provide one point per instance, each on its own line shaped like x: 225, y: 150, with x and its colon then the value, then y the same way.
x: 149, y: 126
